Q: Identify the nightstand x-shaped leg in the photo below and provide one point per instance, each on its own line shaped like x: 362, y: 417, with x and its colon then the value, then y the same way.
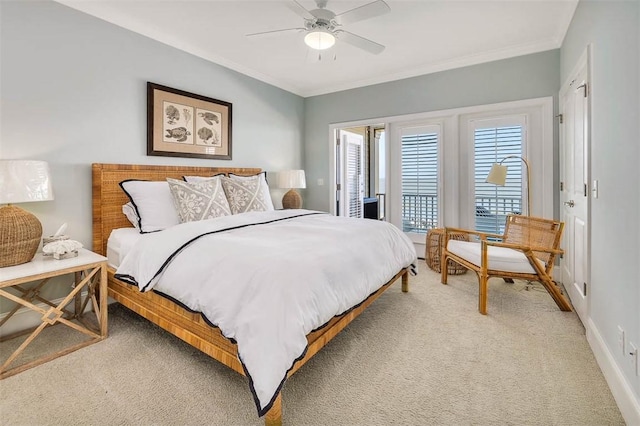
x: 55, y: 313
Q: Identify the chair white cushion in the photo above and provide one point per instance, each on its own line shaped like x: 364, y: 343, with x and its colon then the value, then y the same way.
x: 499, y: 258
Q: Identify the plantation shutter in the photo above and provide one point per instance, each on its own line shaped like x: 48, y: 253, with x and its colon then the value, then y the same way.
x: 493, y: 202
x: 420, y: 179
x: 354, y: 180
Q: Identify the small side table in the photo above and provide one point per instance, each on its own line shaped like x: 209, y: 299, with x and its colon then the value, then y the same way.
x: 433, y: 250
x: 90, y: 272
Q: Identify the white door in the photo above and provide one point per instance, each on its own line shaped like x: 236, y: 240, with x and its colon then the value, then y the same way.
x: 352, y: 185
x: 574, y: 192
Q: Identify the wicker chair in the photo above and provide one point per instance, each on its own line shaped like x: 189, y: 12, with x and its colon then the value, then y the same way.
x: 527, y: 250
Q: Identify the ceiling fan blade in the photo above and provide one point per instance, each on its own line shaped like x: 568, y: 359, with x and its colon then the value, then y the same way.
x: 299, y: 9
x: 274, y: 32
x: 369, y: 10
x: 361, y: 42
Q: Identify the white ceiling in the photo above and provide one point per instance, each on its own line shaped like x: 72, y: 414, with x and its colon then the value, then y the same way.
x: 421, y: 36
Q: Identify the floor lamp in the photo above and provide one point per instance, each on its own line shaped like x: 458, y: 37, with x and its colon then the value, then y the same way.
x: 498, y: 176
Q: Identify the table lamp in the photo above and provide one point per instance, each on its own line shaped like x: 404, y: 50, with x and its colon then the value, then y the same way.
x: 498, y: 176
x: 21, y: 181
x: 292, y: 179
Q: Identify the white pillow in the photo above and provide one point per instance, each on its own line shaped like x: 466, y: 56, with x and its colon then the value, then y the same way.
x: 153, y: 203
x: 247, y: 193
x: 200, y: 200
x: 130, y: 212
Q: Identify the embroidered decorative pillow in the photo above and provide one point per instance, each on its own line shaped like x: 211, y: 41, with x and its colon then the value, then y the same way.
x: 153, y: 203
x: 199, y: 200
x: 247, y: 193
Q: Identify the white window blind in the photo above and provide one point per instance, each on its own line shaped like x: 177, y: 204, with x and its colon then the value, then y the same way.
x: 419, y: 179
x: 494, y: 202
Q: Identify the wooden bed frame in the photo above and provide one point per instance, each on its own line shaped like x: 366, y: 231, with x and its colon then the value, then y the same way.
x: 108, y: 199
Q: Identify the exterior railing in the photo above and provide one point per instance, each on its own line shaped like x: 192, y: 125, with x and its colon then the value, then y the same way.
x: 501, y: 204
x: 420, y: 212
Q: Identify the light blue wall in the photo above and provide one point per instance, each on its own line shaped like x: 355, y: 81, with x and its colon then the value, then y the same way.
x: 74, y: 93
x: 524, y: 77
x: 613, y: 29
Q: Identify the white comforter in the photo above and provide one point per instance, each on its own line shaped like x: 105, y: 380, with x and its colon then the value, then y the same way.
x: 267, y: 279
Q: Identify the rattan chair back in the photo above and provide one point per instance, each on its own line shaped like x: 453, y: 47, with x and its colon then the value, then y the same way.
x: 535, y: 232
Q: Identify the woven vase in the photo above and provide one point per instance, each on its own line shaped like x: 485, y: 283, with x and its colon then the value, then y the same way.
x: 20, y: 233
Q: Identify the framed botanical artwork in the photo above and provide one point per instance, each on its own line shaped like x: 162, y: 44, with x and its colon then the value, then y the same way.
x: 183, y: 124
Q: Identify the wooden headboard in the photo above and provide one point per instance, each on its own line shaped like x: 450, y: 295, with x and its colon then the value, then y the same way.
x: 108, y: 197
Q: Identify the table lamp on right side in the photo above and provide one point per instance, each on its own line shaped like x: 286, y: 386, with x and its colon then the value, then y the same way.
x: 292, y: 179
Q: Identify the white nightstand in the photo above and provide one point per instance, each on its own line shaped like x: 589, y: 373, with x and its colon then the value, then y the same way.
x: 90, y: 275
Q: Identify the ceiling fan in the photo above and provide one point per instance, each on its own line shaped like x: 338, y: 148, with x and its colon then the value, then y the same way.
x: 323, y: 27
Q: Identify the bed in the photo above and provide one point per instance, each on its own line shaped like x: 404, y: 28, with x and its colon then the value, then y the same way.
x: 192, y: 327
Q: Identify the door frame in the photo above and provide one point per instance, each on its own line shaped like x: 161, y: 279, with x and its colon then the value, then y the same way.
x: 333, y: 144
x: 584, y: 63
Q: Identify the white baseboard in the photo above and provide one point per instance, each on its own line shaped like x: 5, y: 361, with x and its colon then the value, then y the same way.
x: 25, y: 318
x: 628, y: 402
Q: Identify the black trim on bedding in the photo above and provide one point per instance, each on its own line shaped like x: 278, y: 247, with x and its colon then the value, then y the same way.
x: 126, y: 278
x: 182, y: 247
x: 186, y: 308
x: 278, y: 389
x: 183, y: 306
x: 387, y: 284
x: 261, y: 412
x: 184, y: 178
x: 246, y: 372
x: 134, y: 203
x: 275, y: 395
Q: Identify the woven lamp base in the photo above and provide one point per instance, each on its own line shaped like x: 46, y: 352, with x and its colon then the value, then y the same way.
x: 20, y: 233
x: 292, y: 200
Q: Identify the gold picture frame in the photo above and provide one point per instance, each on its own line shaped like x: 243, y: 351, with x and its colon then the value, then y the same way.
x: 183, y: 124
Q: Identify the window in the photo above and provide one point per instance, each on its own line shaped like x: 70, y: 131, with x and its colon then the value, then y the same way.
x: 420, y: 178
x: 430, y: 178
x: 493, y: 141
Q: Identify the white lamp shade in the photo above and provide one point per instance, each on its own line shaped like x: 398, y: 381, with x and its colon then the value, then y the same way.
x: 292, y: 179
x: 24, y: 181
x: 319, y: 40
x: 497, y: 175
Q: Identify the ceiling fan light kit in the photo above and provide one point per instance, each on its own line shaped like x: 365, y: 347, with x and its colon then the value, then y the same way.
x: 323, y: 26
x: 319, y: 40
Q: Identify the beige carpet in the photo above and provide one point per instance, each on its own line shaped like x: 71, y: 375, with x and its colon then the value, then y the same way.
x: 423, y: 358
